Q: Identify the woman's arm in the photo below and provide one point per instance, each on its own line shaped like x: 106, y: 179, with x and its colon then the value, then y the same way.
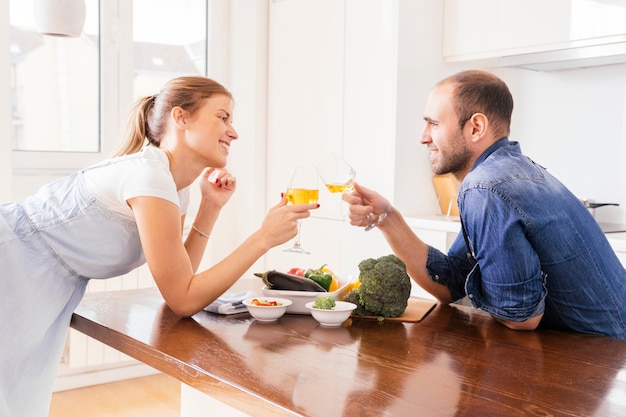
x: 158, y: 222
x: 215, y: 194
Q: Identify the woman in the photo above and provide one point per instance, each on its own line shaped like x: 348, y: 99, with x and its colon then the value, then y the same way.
x: 109, y: 219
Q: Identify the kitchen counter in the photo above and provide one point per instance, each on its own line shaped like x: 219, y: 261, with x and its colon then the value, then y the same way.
x: 456, y: 361
x: 451, y: 226
x: 617, y: 241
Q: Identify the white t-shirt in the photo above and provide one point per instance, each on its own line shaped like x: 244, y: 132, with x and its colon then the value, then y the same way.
x: 145, y: 173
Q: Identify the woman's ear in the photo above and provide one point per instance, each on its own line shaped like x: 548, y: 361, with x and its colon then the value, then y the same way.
x: 178, y: 116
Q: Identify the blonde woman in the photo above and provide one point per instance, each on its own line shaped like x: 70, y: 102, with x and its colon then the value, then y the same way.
x: 112, y: 217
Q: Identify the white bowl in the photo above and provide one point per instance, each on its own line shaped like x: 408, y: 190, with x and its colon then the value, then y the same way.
x: 333, y: 317
x: 300, y: 298
x: 267, y: 313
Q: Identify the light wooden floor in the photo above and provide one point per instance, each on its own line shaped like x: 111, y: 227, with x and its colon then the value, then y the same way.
x: 154, y: 396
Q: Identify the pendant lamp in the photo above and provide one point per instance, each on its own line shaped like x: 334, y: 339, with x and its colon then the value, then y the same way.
x: 59, y: 17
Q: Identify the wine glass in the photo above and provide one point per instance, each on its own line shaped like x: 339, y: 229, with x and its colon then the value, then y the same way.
x: 338, y: 177
x: 302, y: 189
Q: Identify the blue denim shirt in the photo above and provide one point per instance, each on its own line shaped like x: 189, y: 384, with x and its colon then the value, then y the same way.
x: 529, y: 246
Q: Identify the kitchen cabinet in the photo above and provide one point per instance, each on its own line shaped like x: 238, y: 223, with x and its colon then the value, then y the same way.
x: 535, y: 34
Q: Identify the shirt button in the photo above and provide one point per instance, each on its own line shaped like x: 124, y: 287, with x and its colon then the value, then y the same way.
x: 437, y: 277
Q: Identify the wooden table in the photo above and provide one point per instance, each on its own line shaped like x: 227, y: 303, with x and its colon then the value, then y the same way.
x: 455, y: 362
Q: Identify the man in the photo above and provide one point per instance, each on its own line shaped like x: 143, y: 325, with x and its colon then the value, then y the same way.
x: 529, y: 251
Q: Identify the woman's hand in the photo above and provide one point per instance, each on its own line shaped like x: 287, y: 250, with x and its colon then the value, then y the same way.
x: 363, y: 203
x: 280, y: 224
x: 217, y: 186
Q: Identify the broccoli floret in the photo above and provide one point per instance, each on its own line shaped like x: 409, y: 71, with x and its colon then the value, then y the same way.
x: 354, y: 297
x: 385, y: 287
x: 324, y: 303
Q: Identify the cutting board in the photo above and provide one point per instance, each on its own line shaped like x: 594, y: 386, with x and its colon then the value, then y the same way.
x: 416, y: 310
x: 447, y: 190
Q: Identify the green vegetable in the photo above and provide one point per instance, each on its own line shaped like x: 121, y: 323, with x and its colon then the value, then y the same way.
x: 324, y: 303
x: 320, y: 276
x: 354, y: 297
x: 385, y: 287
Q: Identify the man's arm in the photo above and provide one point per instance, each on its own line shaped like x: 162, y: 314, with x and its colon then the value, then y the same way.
x: 530, y: 324
x: 413, y: 252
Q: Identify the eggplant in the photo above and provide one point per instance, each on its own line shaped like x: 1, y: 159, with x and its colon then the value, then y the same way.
x: 277, y: 280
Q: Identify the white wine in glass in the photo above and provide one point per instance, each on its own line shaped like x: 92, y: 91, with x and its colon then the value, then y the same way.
x: 338, y: 177
x: 303, y: 189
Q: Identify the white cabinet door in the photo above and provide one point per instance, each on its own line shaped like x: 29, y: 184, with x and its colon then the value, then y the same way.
x: 479, y: 29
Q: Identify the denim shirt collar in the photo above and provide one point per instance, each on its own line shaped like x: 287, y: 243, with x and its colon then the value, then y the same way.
x: 501, y: 143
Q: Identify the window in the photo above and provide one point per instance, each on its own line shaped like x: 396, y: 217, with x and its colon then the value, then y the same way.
x: 54, y: 84
x: 61, y: 121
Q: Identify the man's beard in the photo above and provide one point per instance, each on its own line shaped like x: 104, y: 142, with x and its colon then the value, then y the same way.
x: 456, y: 157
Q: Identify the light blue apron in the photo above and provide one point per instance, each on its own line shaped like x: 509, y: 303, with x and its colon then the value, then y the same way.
x: 50, y: 247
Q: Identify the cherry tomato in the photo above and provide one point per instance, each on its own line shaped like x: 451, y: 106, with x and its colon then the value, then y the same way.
x: 296, y: 271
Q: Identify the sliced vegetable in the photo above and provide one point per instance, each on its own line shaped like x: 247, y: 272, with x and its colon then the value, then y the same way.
x: 265, y: 303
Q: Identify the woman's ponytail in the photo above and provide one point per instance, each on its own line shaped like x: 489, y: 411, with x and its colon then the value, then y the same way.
x: 137, y: 131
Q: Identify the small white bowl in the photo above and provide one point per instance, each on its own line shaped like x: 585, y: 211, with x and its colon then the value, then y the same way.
x: 267, y: 313
x: 333, y: 317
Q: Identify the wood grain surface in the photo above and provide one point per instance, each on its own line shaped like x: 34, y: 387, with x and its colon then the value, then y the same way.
x: 456, y: 361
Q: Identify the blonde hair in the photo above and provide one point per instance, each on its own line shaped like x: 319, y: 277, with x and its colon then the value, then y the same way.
x: 149, y: 116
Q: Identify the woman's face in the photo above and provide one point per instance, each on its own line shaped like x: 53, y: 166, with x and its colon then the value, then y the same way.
x: 209, y: 131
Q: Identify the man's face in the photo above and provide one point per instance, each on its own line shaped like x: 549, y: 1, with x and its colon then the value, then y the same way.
x: 443, y: 137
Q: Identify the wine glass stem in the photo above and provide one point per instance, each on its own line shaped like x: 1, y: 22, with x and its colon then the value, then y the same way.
x: 296, y: 243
